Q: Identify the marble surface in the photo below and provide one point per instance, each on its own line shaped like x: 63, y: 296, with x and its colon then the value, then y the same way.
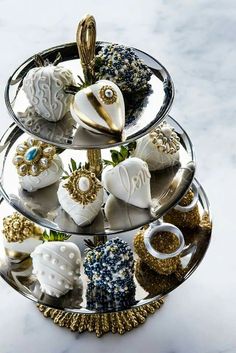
x: 196, y: 42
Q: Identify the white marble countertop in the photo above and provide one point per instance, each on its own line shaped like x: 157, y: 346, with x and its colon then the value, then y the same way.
x: 195, y: 41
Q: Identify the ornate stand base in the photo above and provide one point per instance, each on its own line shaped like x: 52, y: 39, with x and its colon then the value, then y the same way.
x: 119, y: 322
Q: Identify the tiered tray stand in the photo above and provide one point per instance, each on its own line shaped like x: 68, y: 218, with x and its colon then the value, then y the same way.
x: 42, y: 207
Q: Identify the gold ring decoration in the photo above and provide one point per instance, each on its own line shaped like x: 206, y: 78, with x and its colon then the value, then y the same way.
x: 165, y: 242
x: 86, y: 42
x: 33, y: 157
x: 119, y: 322
x: 17, y: 228
x: 83, y: 186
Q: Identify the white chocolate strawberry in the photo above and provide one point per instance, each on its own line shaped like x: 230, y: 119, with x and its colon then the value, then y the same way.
x: 56, y: 265
x: 37, y: 164
x: 45, y: 86
x: 81, y: 196
x: 129, y: 181
x: 100, y: 108
x: 160, y: 148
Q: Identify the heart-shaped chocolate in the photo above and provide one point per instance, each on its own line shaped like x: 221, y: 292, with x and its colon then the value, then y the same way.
x: 129, y: 181
x: 81, y: 196
x: 100, y: 108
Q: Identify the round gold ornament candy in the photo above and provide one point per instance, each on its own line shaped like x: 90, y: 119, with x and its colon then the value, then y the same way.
x: 17, y: 228
x: 186, y: 213
x: 164, y: 243
x: 20, y: 236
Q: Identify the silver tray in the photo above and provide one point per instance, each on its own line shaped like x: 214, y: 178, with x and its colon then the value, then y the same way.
x: 19, y: 275
x: 167, y: 188
x: 67, y: 134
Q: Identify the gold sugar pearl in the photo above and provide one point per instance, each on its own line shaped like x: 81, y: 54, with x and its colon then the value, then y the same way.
x: 27, y: 231
x: 16, y: 225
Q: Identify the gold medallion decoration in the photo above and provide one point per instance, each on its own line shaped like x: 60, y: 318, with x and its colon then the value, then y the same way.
x: 119, y: 322
x: 83, y: 186
x: 33, y: 157
x: 108, y: 95
x: 165, y: 138
x: 17, y: 228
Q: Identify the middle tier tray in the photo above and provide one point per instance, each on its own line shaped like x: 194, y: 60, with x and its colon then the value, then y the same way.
x: 167, y: 188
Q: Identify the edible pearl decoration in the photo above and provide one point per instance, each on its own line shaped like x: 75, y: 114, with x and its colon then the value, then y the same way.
x: 56, y: 265
x: 108, y: 93
x: 84, y: 184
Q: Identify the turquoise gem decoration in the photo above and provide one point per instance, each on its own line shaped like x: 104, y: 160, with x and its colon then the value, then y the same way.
x: 33, y: 157
x: 31, y: 154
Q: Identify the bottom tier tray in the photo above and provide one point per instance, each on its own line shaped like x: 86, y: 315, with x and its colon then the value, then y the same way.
x: 149, y: 286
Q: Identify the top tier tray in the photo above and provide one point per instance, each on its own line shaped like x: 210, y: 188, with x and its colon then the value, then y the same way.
x: 66, y: 133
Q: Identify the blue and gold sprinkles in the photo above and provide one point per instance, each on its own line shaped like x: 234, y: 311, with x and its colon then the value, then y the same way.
x: 100, y: 299
x: 122, y: 66
x: 110, y: 269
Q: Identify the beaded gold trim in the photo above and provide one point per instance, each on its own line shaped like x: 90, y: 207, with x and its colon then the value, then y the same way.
x: 119, y: 322
x: 42, y: 157
x: 165, y: 138
x: 83, y: 197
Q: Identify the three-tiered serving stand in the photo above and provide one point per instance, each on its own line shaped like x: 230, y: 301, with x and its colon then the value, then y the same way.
x: 167, y: 188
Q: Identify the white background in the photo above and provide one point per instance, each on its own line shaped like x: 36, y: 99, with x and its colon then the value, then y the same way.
x: 196, y: 42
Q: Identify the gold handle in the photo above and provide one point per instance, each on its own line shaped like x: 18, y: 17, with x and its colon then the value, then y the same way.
x: 86, y: 42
